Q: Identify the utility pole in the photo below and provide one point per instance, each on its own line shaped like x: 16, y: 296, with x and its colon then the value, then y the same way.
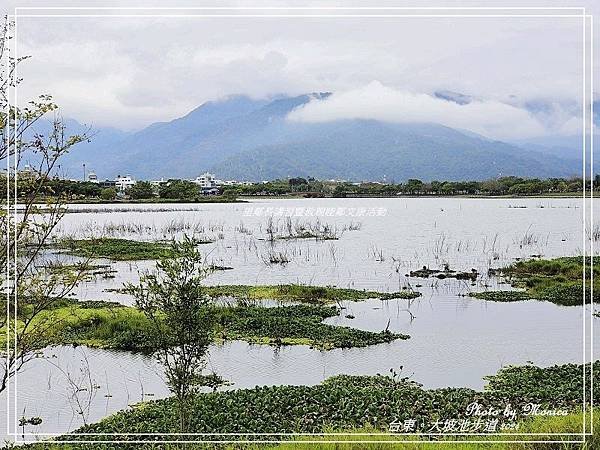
x: 83, y: 171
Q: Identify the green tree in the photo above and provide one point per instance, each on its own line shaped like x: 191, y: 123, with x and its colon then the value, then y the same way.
x: 108, y: 194
x: 182, y: 319
x: 179, y: 190
x: 413, y: 186
x: 141, y: 190
x: 230, y: 194
x: 32, y: 288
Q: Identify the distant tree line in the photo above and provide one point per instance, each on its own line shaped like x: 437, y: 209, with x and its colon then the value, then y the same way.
x: 499, y: 186
x: 177, y: 189
x: 174, y: 189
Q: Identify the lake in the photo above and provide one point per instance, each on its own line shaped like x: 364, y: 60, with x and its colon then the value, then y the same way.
x: 455, y: 340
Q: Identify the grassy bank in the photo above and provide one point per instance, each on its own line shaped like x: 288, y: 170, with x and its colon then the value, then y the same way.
x: 350, y: 403
x: 114, y: 326
x: 557, y: 280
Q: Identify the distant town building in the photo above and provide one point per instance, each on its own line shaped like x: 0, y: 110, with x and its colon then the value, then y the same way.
x: 207, y: 181
x: 157, y: 183
x: 122, y: 183
x: 92, y: 177
x: 27, y: 172
x: 107, y: 183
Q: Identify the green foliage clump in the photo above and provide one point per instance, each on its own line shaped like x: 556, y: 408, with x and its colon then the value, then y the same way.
x: 141, y: 190
x: 115, y: 249
x: 347, y: 402
x: 566, y: 268
x: 556, y: 385
x: 114, y: 326
x: 501, y: 296
x: 550, y: 429
x: 558, y: 280
x: 108, y: 194
x: 297, y: 324
x: 179, y: 190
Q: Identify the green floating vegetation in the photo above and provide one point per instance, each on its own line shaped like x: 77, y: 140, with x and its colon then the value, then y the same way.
x: 302, y: 293
x: 297, y: 324
x: 558, y: 280
x: 115, y: 249
x: 349, y: 402
x: 501, y: 296
x: 557, y: 429
x: 84, y: 270
x: 114, y: 326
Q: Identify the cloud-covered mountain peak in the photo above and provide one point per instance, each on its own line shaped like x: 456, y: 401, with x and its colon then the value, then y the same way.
x: 244, y: 138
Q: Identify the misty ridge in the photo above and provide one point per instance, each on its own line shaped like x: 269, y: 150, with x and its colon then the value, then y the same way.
x: 239, y: 137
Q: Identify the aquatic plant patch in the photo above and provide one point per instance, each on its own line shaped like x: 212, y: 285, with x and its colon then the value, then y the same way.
x: 542, y: 428
x: 501, y: 296
x: 297, y: 324
x: 115, y: 326
x: 426, y: 272
x: 558, y: 280
x: 347, y: 402
x: 115, y: 249
x: 303, y: 293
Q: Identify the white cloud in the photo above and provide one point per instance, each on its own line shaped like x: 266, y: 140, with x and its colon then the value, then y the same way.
x: 129, y: 72
x: 376, y: 101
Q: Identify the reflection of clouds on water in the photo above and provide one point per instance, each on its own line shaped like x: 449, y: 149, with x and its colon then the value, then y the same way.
x: 367, y: 252
x: 455, y: 340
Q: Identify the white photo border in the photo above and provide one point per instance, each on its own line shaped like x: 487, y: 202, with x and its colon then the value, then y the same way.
x: 479, y: 12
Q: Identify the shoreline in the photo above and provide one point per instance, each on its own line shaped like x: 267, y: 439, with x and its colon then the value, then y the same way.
x: 248, y: 198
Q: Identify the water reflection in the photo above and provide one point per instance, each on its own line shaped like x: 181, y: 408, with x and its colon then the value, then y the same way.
x: 455, y: 340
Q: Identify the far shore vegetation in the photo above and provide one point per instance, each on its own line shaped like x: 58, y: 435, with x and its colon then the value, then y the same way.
x: 177, y: 190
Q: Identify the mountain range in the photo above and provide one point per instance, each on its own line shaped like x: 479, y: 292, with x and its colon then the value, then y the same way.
x: 248, y: 139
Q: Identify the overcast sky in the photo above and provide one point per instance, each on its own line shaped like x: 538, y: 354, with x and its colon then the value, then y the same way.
x: 130, y: 72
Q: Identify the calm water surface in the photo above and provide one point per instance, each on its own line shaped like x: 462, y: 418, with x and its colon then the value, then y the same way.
x: 455, y: 340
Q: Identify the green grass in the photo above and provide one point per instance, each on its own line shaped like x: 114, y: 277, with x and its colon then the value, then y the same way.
x: 558, y: 280
x: 115, y: 249
x: 367, y: 437
x: 566, y: 268
x: 302, y: 293
x: 572, y: 423
x: 114, y: 326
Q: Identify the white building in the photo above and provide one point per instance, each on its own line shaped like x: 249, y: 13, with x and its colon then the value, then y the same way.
x: 92, y: 177
x: 207, y: 181
x: 158, y: 183
x: 122, y: 183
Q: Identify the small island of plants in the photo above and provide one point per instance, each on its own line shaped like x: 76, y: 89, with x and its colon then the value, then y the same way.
x: 558, y: 280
